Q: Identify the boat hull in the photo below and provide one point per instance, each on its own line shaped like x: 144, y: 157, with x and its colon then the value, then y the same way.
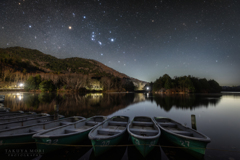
x: 102, y: 145
x: 144, y: 145
x: 192, y: 146
x: 49, y: 144
x: 15, y: 141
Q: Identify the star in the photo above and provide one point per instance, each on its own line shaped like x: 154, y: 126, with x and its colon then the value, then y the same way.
x: 70, y: 27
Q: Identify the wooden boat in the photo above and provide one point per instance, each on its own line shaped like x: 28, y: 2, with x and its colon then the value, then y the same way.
x: 66, y: 135
x: 45, y: 119
x: 144, y: 134
x: 109, y: 133
x: 1, y: 100
x: 12, y: 115
x: 4, y: 109
x: 180, y: 135
x: 18, y: 112
x: 23, y: 135
x: 21, y: 118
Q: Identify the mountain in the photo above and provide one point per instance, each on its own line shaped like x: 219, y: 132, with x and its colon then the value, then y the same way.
x: 230, y: 88
x: 18, y: 64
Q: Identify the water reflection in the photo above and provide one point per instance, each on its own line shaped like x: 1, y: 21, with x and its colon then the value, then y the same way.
x: 185, y: 101
x: 101, y: 104
x: 71, y: 104
x: 217, y: 116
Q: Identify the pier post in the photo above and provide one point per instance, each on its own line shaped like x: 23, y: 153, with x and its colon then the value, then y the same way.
x: 56, y: 109
x: 193, y: 121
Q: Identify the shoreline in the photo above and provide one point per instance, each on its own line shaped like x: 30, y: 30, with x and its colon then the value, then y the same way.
x: 68, y: 91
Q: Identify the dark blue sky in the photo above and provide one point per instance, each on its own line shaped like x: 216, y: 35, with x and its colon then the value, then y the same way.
x: 143, y: 39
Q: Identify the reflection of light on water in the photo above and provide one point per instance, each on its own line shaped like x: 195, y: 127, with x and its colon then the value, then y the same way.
x: 94, y: 95
x: 19, y: 96
x: 147, y: 95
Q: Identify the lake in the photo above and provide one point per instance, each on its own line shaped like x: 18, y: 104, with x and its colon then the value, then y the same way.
x: 217, y: 116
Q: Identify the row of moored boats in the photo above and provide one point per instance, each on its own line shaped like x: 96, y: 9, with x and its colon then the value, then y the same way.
x: 51, y: 134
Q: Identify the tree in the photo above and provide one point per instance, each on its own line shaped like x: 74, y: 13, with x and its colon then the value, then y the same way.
x: 158, y: 84
x: 6, y: 73
x: 47, y: 85
x: 204, y: 84
x: 37, y: 79
x: 32, y: 83
x: 167, y: 84
x: 214, y: 86
x: 189, y: 84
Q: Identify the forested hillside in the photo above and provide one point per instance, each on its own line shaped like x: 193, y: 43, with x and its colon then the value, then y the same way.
x: 18, y: 64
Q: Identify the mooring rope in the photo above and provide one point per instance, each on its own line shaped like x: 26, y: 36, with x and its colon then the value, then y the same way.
x: 123, y: 145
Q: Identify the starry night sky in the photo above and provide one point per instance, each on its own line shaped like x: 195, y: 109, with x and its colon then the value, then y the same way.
x: 143, y: 39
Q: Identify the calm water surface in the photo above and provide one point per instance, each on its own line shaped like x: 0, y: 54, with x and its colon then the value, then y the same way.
x: 217, y: 116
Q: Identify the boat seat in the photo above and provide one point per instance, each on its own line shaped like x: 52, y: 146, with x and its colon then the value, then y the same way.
x: 65, y: 123
x: 42, y: 121
x: 144, y: 132
x: 108, y: 131
x: 138, y: 123
x: 185, y: 133
x: 36, y: 130
x: 98, y: 119
x: 117, y: 123
x: 7, y: 127
x: 91, y: 123
x: 70, y: 131
x: 168, y: 124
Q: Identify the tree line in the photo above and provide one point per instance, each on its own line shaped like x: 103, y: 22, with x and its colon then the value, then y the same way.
x: 81, y: 84
x: 185, y: 84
